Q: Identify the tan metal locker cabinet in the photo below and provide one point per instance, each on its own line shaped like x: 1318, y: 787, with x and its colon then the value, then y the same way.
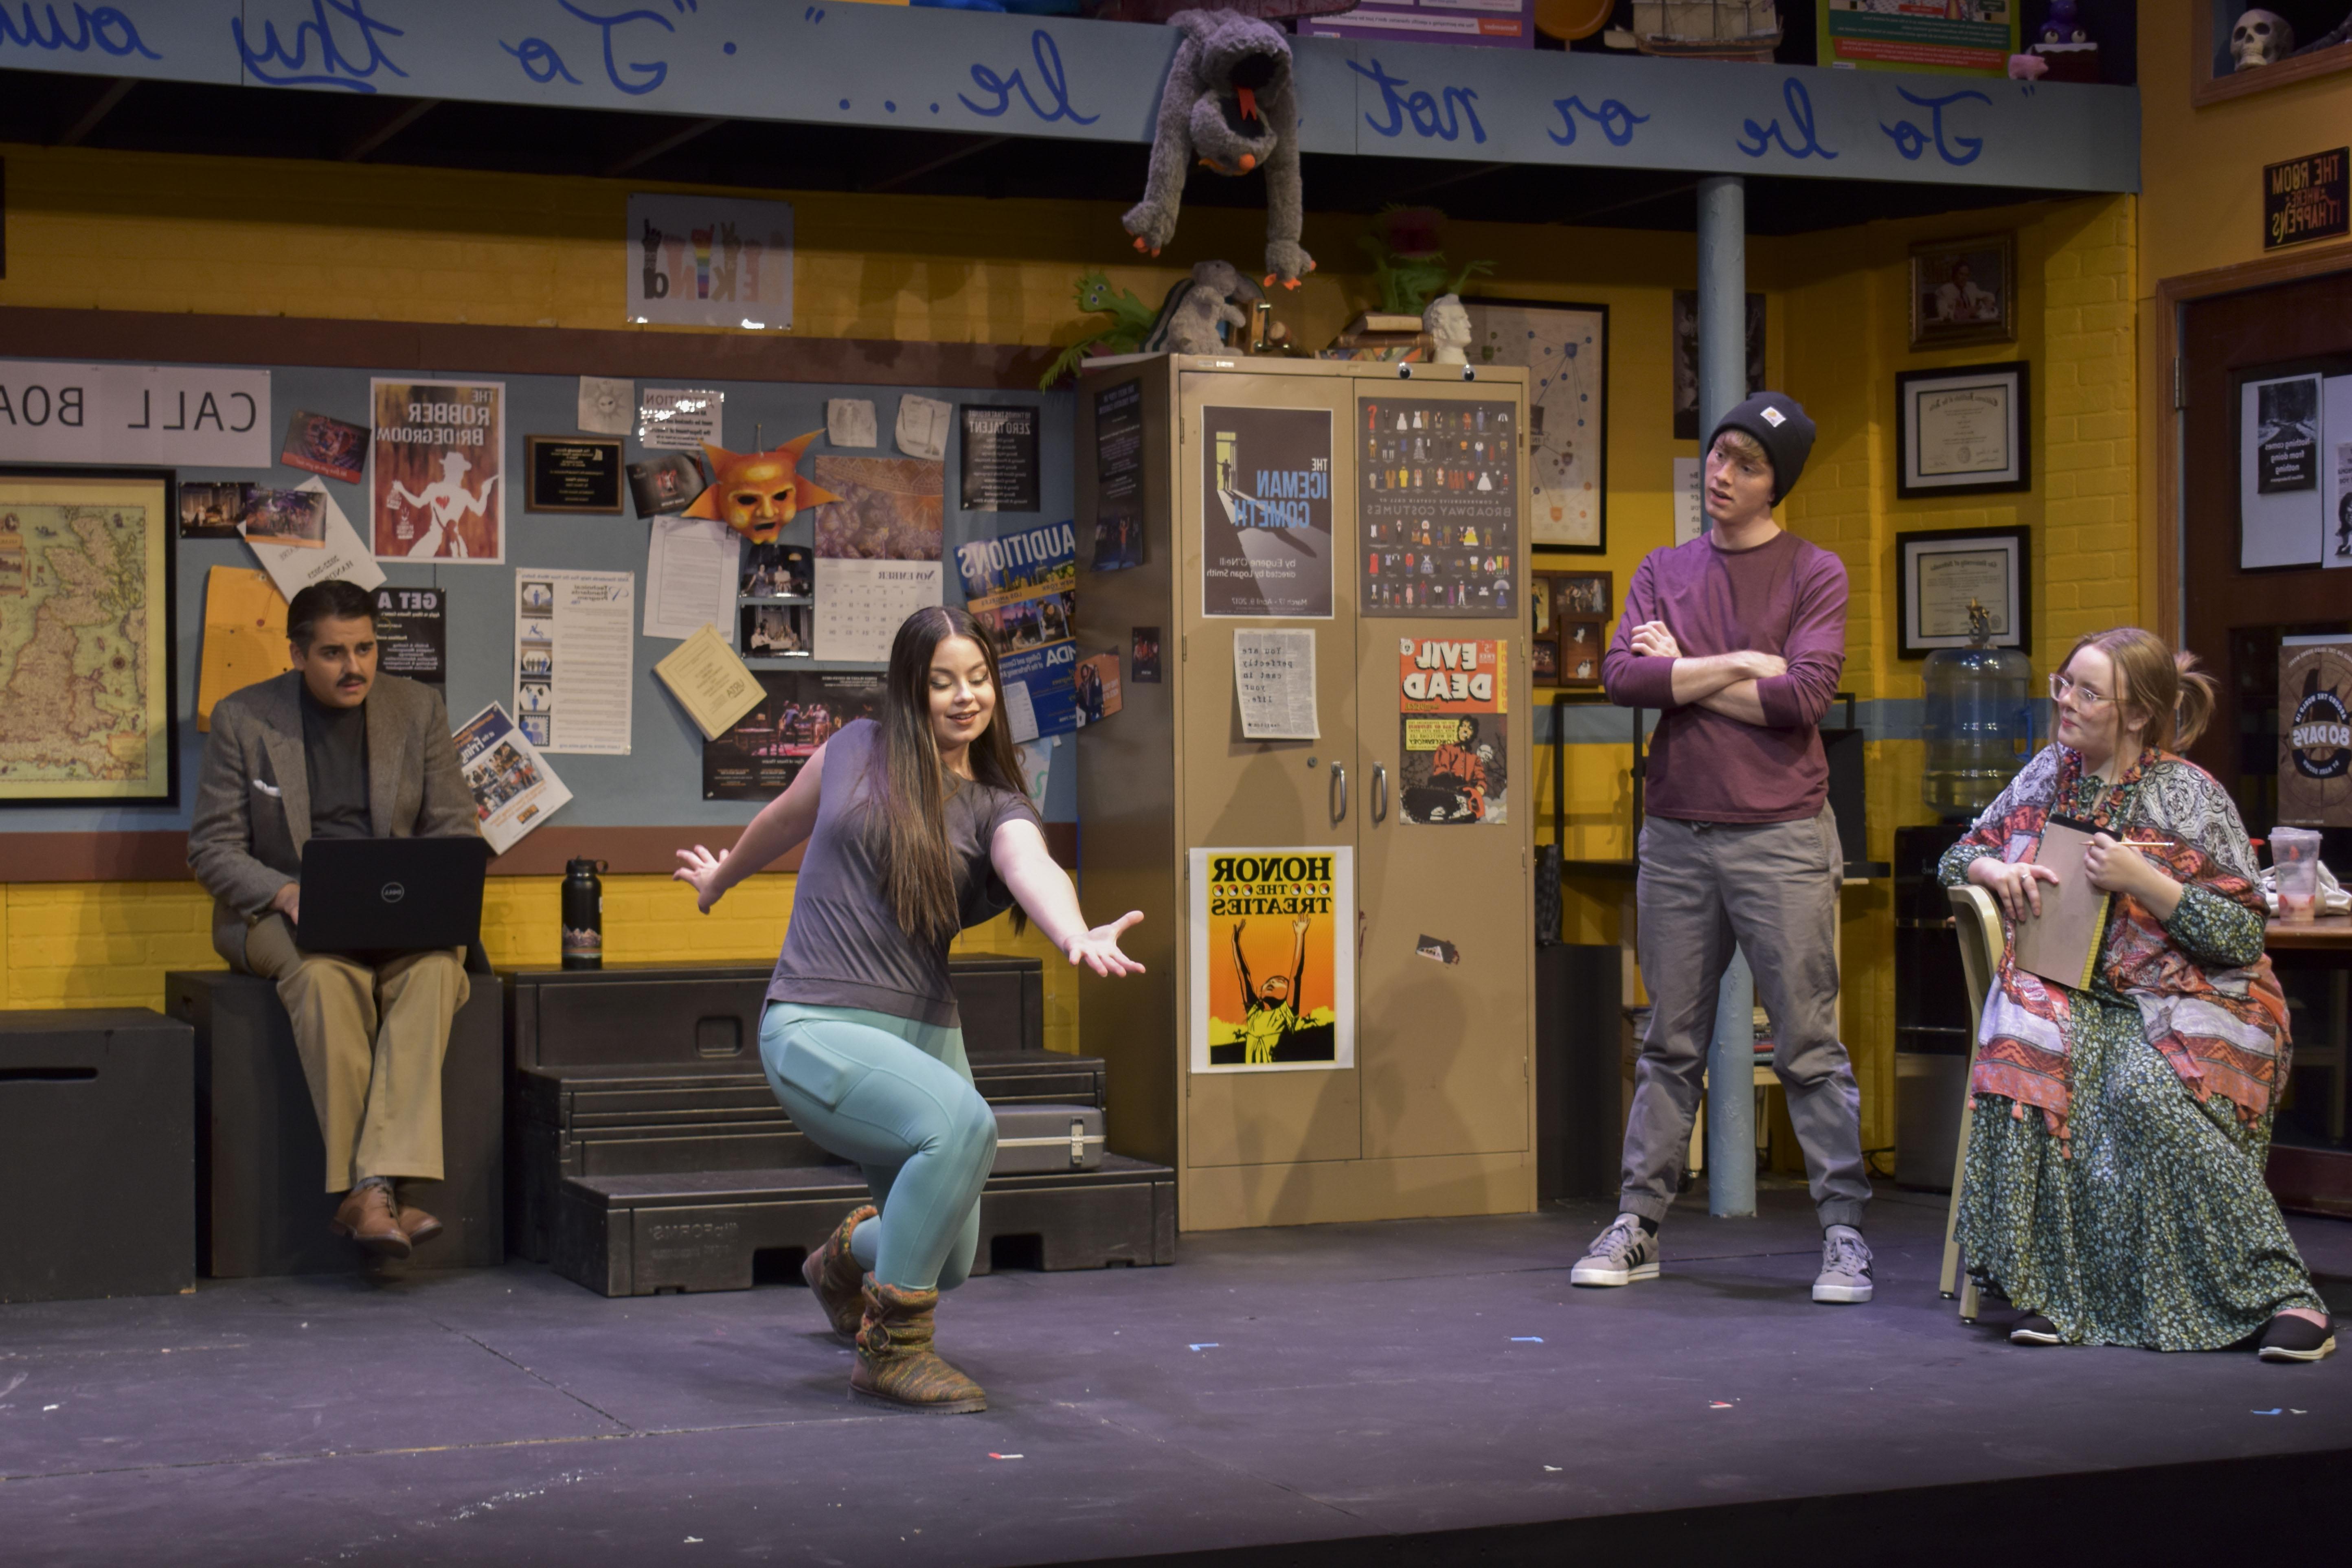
x: 1436, y: 1116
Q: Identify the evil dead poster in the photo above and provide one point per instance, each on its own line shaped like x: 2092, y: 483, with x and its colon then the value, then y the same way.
x: 1274, y: 980
x: 1265, y: 512
x: 1454, y: 756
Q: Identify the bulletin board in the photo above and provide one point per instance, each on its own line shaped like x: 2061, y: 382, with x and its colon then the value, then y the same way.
x: 774, y: 390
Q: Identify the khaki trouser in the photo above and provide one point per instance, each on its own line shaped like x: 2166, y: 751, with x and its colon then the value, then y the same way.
x: 371, y: 1040
x: 1770, y: 888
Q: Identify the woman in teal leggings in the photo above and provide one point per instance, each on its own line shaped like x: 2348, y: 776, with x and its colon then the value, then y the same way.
x: 916, y: 828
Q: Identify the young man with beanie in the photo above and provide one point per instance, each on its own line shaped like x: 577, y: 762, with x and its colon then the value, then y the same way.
x: 1738, y: 636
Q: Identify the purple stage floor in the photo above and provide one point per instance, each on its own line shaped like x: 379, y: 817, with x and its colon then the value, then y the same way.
x: 1412, y: 1392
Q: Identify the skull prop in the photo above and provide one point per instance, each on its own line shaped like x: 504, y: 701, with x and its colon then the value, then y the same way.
x: 2260, y: 38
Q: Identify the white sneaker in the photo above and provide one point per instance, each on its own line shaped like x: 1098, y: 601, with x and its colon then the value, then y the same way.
x: 1624, y: 1253
x: 1845, y: 1267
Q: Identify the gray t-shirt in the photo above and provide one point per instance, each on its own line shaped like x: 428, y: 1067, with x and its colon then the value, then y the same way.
x: 843, y: 947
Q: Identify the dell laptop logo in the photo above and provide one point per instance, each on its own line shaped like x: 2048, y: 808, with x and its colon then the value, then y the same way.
x: 393, y: 893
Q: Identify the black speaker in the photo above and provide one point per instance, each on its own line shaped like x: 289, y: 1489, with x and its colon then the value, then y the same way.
x: 1846, y: 793
x: 1578, y: 1023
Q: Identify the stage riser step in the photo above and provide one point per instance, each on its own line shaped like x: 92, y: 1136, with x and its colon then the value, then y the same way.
x: 617, y: 1238
x: 645, y: 1096
x: 696, y: 1013
x: 640, y: 1120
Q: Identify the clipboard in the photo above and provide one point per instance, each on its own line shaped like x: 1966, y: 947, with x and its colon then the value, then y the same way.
x: 2063, y: 942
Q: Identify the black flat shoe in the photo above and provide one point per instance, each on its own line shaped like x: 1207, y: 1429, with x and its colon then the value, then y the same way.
x: 2034, y: 1330
x: 2291, y: 1338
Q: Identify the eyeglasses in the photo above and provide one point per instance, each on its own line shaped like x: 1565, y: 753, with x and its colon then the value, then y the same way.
x: 2061, y: 688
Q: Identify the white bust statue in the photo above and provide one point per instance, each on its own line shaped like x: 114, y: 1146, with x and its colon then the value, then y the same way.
x: 1446, y: 321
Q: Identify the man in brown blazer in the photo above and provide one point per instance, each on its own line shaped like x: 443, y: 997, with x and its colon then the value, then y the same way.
x: 332, y: 750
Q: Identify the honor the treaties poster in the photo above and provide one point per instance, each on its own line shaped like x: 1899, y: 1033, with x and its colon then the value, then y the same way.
x: 1273, y: 961
x: 1265, y: 512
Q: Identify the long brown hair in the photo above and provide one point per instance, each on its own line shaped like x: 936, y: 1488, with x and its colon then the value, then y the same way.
x: 908, y: 785
x: 2174, y: 696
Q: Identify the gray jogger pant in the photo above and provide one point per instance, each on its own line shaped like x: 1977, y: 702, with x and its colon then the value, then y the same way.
x: 1771, y: 890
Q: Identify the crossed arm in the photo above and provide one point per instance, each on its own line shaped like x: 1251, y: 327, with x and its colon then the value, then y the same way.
x: 1722, y: 683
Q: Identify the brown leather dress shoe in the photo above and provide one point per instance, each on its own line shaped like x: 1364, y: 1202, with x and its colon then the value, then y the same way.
x: 366, y: 1216
x: 418, y: 1225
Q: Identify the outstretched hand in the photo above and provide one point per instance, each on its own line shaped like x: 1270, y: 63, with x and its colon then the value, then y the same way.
x: 1098, y: 949
x: 701, y: 872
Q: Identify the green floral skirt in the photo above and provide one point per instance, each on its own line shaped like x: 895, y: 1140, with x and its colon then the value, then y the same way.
x: 2154, y: 1228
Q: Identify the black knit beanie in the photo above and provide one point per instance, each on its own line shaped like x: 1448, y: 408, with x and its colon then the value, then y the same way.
x: 1778, y: 420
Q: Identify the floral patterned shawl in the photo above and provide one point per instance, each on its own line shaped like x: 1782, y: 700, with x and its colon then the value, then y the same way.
x: 2224, y: 1030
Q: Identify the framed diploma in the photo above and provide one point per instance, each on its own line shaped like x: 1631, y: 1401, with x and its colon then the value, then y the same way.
x: 1962, y: 432
x: 1940, y: 575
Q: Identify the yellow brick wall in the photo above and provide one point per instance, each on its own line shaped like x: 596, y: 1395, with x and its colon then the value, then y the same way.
x: 114, y: 231
x: 108, y: 945
x: 1846, y: 305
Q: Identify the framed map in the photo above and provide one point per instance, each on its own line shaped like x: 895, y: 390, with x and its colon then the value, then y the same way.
x: 1564, y: 349
x: 86, y: 650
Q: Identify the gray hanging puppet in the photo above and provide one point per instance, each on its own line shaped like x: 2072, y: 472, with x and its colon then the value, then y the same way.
x: 1229, y: 101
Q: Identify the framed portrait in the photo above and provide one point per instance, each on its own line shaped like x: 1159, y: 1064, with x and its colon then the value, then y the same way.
x: 1564, y: 348
x: 1543, y: 658
x: 1964, y: 291
x: 1962, y: 432
x: 86, y: 666
x: 1946, y: 577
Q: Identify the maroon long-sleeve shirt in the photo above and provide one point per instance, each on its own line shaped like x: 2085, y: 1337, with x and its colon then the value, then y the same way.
x: 1786, y: 597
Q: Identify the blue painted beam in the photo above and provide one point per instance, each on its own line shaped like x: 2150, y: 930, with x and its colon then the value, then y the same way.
x: 848, y: 64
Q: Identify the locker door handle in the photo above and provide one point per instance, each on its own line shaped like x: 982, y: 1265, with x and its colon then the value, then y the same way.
x: 1380, y: 794
x: 1338, y: 793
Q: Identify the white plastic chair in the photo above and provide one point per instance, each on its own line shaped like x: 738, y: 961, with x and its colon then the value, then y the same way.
x: 1976, y: 921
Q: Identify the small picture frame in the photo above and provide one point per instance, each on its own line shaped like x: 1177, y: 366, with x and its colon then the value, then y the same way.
x: 777, y: 631
x: 1964, y: 291
x: 1543, y: 656
x: 1939, y: 573
x: 1583, y: 594
x: 1539, y: 604
x: 1582, y: 640
x: 1962, y: 432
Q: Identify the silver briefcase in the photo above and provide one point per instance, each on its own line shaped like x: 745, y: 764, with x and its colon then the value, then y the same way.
x: 1031, y: 1138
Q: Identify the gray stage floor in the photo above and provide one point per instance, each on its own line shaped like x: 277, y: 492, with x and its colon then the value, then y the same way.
x: 1353, y: 1382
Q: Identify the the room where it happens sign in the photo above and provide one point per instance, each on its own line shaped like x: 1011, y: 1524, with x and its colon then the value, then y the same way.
x: 2305, y: 199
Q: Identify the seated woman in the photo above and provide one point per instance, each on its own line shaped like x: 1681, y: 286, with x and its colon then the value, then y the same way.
x: 2114, y: 1182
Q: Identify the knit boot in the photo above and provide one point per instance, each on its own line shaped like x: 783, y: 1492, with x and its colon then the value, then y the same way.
x: 832, y: 1272
x: 895, y: 1362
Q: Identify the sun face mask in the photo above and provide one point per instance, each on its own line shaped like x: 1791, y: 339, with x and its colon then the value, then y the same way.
x: 756, y: 493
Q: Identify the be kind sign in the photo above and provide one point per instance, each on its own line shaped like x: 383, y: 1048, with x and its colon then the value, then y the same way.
x: 708, y: 261
x: 191, y: 416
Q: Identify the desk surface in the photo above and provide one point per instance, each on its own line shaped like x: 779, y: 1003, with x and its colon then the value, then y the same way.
x: 2331, y: 933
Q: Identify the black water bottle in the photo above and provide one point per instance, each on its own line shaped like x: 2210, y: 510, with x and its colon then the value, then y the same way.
x: 583, y: 915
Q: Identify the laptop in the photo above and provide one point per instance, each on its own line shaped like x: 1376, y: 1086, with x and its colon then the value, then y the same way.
x: 391, y: 895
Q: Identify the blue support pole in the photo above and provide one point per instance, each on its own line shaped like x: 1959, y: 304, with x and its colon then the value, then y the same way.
x: 1723, y: 384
